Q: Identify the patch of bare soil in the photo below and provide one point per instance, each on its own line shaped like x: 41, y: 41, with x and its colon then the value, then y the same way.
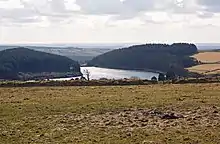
x: 141, y: 118
x: 124, y: 120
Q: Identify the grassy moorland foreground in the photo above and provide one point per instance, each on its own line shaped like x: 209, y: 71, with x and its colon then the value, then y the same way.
x: 111, y: 114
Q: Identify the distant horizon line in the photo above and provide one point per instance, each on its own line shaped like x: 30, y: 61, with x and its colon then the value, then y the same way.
x: 101, y: 43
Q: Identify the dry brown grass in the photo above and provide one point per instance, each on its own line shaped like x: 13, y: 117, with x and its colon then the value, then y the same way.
x: 206, y: 69
x: 212, y: 60
x: 110, y: 114
x: 208, y: 57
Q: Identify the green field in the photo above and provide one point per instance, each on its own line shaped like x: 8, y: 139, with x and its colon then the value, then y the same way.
x: 111, y: 114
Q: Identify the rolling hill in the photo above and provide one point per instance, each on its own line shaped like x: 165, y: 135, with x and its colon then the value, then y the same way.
x: 78, y: 54
x: 150, y: 57
x: 23, y: 60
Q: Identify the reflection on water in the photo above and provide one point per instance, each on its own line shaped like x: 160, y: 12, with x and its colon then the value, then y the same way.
x: 97, y: 73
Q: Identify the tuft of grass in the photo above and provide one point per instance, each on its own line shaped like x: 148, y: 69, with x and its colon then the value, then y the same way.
x: 110, y: 114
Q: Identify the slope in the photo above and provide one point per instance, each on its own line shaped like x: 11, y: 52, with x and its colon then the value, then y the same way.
x: 22, y: 60
x: 150, y: 57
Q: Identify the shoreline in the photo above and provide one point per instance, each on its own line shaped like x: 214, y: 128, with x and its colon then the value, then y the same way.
x: 107, y: 82
x: 126, y: 69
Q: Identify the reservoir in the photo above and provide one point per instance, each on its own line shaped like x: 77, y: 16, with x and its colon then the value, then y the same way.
x: 97, y: 73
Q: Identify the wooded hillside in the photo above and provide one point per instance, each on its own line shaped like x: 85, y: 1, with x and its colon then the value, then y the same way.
x: 22, y: 60
x: 154, y: 57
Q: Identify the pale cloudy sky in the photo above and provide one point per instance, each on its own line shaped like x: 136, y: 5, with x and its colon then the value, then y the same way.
x: 109, y: 21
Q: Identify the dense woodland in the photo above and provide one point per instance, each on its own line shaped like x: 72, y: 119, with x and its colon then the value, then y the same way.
x: 153, y: 57
x: 22, y: 60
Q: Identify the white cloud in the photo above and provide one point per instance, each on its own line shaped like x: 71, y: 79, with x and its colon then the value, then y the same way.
x: 10, y: 4
x: 24, y: 11
x: 95, y: 19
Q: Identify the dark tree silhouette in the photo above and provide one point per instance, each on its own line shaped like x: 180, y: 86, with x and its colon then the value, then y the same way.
x: 170, y: 75
x: 161, y: 77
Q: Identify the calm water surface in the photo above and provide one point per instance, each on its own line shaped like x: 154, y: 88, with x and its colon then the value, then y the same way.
x: 97, y: 73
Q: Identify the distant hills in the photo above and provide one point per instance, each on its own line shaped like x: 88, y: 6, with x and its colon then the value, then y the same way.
x: 15, y: 61
x: 86, y: 52
x: 150, y: 57
x: 208, y: 46
x: 147, y: 57
x: 78, y: 54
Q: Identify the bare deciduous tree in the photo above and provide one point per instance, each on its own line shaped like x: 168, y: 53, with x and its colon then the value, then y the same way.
x: 87, y: 74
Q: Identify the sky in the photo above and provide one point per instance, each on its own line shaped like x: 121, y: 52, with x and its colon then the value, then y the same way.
x: 109, y: 21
